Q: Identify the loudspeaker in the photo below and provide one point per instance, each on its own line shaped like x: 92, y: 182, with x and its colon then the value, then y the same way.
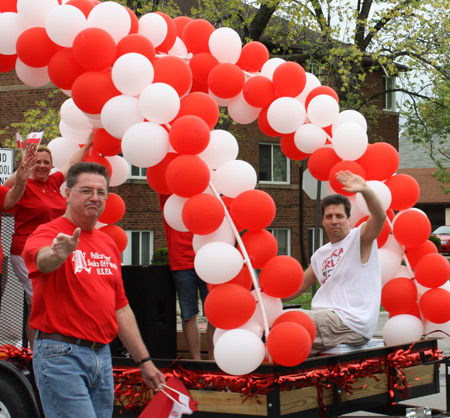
x: 152, y: 296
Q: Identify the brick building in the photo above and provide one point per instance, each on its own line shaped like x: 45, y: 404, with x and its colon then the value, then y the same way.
x: 143, y: 219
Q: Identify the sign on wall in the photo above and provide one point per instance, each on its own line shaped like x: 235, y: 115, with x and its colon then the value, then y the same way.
x: 6, y: 164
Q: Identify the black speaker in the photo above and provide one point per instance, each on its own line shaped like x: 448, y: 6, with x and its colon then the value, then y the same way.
x: 152, y: 296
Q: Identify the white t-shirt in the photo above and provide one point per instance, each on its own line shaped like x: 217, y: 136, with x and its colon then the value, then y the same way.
x: 348, y: 287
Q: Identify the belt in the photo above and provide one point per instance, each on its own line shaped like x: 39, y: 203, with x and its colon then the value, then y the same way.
x: 71, y: 340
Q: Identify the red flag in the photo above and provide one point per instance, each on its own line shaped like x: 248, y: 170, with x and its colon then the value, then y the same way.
x: 34, y: 137
x: 20, y: 143
x: 162, y: 406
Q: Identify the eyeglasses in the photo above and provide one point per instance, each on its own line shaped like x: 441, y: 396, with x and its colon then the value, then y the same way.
x: 87, y: 192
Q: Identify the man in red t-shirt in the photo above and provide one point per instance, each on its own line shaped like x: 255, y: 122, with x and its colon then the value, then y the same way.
x: 79, y: 304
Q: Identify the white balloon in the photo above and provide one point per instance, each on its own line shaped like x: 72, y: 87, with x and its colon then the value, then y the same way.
x: 286, y: 114
x: 172, y: 212
x: 120, y: 113
x: 73, y: 117
x: 403, y: 272
x: 159, y: 103
x: 120, y: 170
x: 241, y: 112
x: 63, y: 24
x: 392, y: 244
x: 145, y: 144
x: 432, y: 330
x: 309, y: 138
x: 402, y: 329
x: 350, y: 141
x: 178, y: 49
x: 251, y: 326
x: 111, y: 17
x: 31, y: 76
x: 270, y: 66
x: 351, y: 116
x: 355, y: 212
x: 11, y: 27
x: 222, y: 148
x: 220, y: 100
x: 78, y: 136
x: 218, y: 262
x: 235, y: 177
x: 35, y: 12
x: 225, y: 45
x: 311, y: 83
x: 222, y: 234
x: 381, y: 190
x: 132, y: 73
x: 62, y: 149
x: 273, y: 308
x: 239, y: 351
x: 154, y: 27
x: 323, y: 110
x: 390, y: 262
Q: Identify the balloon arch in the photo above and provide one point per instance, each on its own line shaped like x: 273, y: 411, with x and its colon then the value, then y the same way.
x: 152, y: 88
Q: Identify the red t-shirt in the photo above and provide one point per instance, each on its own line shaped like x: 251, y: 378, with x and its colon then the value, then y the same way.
x: 3, y: 191
x: 40, y: 203
x: 179, y: 244
x: 80, y: 299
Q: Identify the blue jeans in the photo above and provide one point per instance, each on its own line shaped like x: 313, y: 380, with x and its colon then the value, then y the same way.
x: 73, y: 381
x: 188, y: 285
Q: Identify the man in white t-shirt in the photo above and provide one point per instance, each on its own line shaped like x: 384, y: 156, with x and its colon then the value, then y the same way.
x: 345, y: 308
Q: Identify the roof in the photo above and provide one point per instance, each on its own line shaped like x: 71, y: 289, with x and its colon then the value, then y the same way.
x: 430, y: 188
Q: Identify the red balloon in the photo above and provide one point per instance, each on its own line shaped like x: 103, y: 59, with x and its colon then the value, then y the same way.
x: 414, y: 254
x: 84, y: 5
x: 201, y: 65
x: 156, y: 175
x: 226, y: 80
x: 253, y: 56
x: 317, y: 91
x: 243, y: 279
x: 261, y: 246
x: 35, y: 48
x: 259, y: 91
x: 114, y: 209
x: 321, y: 162
x: 134, y: 21
x: 189, y: 135
x: 300, y: 318
x: 118, y: 235
x: 435, y: 305
x: 92, y: 89
x: 196, y: 35
x: 281, y: 276
x: 432, y: 270
x: 264, y: 125
x: 180, y: 23
x: 187, y: 175
x: 352, y: 166
x: 106, y: 144
x: 289, y: 344
x: 175, y: 72
x: 405, y: 191
x: 7, y: 63
x: 202, y: 105
x: 199, y: 87
x: 411, y: 228
x: 289, y: 148
x: 203, y: 214
x: 63, y: 69
x: 380, y: 161
x: 94, y: 49
x: 8, y: 6
x: 399, y: 295
x: 138, y: 44
x: 96, y: 158
x: 253, y: 209
x: 229, y: 306
x: 171, y: 36
x: 289, y: 79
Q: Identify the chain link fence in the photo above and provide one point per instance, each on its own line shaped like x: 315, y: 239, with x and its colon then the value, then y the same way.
x: 12, y: 306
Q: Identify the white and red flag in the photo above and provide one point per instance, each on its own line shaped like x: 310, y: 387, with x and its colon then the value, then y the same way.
x: 19, y: 140
x: 34, y: 138
x: 172, y: 402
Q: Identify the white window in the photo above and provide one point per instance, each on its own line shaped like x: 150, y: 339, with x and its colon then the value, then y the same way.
x: 274, y: 166
x: 389, y: 97
x: 139, y: 250
x: 312, y: 239
x: 138, y: 172
x: 283, y: 237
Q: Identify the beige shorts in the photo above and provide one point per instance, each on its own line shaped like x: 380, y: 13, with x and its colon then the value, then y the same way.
x: 331, y: 331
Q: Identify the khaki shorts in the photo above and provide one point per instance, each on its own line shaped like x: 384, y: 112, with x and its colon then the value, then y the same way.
x: 331, y: 331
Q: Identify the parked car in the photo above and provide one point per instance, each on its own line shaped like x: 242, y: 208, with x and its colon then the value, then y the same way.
x: 443, y: 232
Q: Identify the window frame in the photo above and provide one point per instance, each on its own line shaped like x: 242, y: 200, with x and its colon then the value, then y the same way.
x: 127, y: 254
x: 288, y: 238
x: 141, y: 176
x: 288, y: 165
x: 389, y: 83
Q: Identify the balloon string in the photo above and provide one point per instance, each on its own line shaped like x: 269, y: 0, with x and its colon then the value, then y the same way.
x: 246, y: 260
x: 405, y: 258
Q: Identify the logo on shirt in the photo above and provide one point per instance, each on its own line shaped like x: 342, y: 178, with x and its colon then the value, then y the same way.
x: 79, y: 259
x: 100, y: 262
x: 330, y: 263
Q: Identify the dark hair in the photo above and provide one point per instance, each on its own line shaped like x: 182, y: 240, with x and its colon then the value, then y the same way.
x: 85, y: 167
x: 336, y: 199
